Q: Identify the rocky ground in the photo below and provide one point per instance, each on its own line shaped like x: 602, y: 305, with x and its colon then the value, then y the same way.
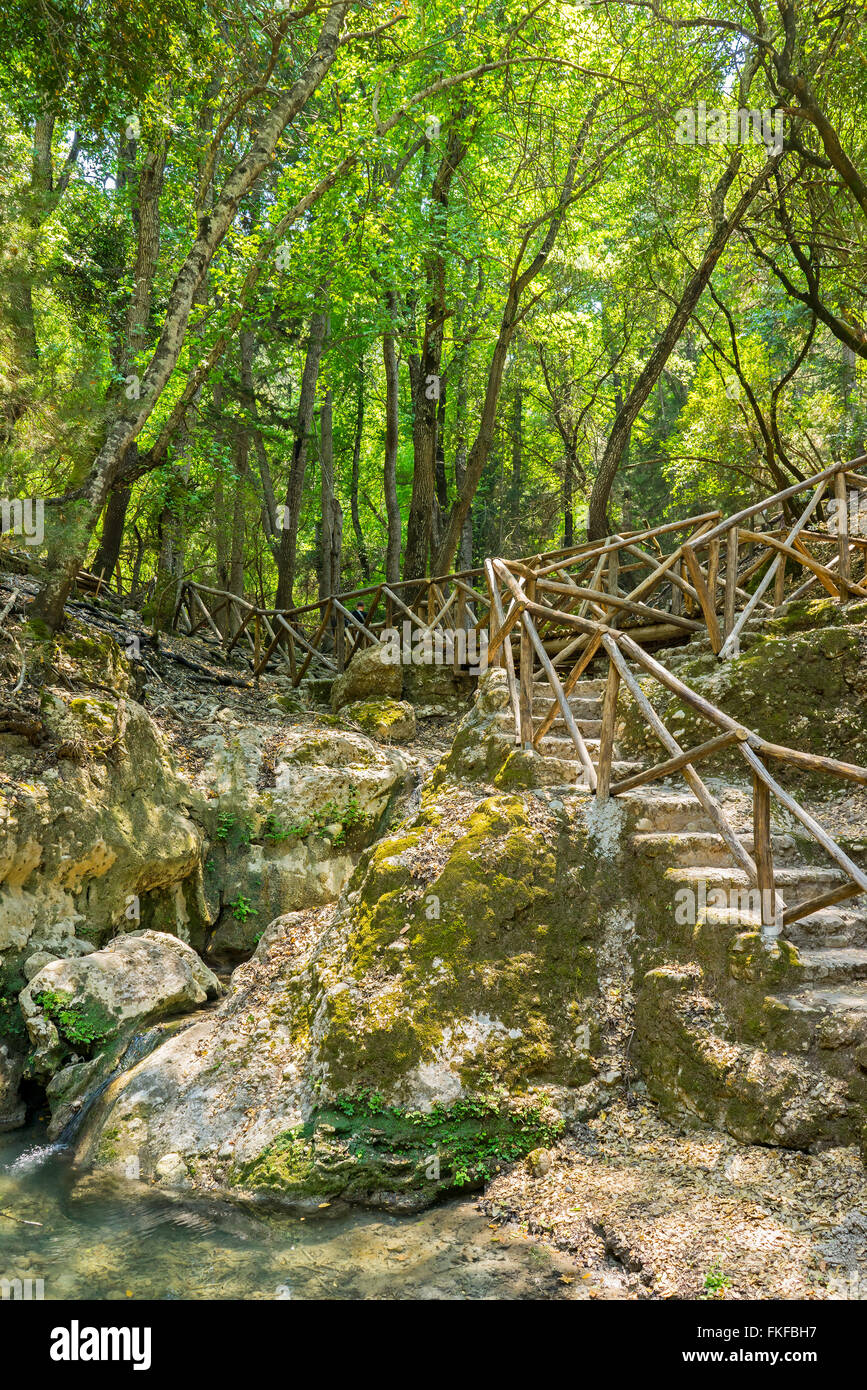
x: 658, y: 1213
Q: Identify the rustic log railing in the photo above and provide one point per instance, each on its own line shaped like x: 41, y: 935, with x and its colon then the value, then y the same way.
x: 756, y: 751
x: 718, y: 574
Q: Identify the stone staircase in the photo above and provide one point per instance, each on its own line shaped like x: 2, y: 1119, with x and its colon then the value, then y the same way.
x: 812, y: 1008
x: 562, y: 766
x: 831, y: 943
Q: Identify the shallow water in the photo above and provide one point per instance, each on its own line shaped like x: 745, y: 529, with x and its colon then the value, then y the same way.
x: 105, y: 1239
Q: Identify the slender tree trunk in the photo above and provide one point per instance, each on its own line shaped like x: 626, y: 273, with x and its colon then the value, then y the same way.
x: 286, y: 558
x: 425, y: 378
x: 146, y: 220
x: 77, y: 521
x: 363, y: 560
x: 508, y: 325
x: 392, y: 428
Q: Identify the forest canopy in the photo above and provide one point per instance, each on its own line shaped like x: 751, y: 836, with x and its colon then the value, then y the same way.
x: 295, y: 296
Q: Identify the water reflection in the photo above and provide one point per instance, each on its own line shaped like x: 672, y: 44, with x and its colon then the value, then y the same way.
x: 109, y: 1239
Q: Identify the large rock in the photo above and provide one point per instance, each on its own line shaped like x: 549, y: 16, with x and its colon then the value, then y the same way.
x: 443, y: 1020
x: 12, y: 1109
x: 292, y: 844
x: 78, y: 1006
x: 96, y: 837
x: 367, y: 677
x: 696, y: 1070
x: 388, y: 721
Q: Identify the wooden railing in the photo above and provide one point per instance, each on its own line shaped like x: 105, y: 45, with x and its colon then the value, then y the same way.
x: 330, y: 631
x: 757, y: 753
x: 540, y: 622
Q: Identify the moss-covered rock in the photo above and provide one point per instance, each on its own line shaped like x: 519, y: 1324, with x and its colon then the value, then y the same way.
x: 695, y: 1067
x: 367, y: 677
x: 800, y: 679
x: 456, y: 1007
x: 389, y: 721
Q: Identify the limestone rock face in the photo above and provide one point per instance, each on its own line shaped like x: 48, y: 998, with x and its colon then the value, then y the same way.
x: 293, y: 844
x: 800, y: 679
x: 695, y: 1068
x: 435, y: 688
x: 81, y: 1004
x: 367, y: 677
x: 100, y: 838
x: 388, y: 721
x: 11, y: 1070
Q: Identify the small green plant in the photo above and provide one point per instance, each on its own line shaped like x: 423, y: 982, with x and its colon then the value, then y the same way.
x: 77, y: 1025
x: 224, y: 825
x: 242, y: 908
x: 329, y: 814
x: 716, y: 1282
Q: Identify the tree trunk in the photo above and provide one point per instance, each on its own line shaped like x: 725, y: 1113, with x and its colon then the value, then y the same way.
x: 509, y: 323
x: 392, y: 427
x: 146, y: 220
x: 363, y: 560
x: 331, y: 525
x: 286, y: 557
x: 77, y: 521
x: 425, y: 378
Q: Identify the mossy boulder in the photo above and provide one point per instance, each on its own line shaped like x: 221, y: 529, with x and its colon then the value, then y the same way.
x: 77, y: 1006
x: 799, y: 679
x: 388, y: 721
x: 450, y: 1015
x: 367, y: 677
x: 696, y: 1068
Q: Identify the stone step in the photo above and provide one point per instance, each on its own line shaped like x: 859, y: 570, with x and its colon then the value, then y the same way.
x: 558, y: 746
x: 832, y: 965
x: 581, y: 707
x: 834, y: 999
x: 795, y: 885
x: 831, y: 1017
x: 566, y: 772
x: 667, y: 812
x: 831, y: 926
x: 580, y: 690
x: 590, y: 728
x: 691, y: 848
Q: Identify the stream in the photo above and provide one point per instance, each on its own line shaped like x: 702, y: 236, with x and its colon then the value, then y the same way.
x: 102, y: 1238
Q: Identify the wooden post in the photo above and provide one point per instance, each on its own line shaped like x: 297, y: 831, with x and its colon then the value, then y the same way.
x: 731, y: 579
x: 460, y: 622
x: 257, y: 648
x: 676, y: 593
x: 780, y: 583
x: 696, y: 574
x: 340, y: 642
x: 526, y: 693
x: 713, y: 570
x: 763, y: 855
x: 841, y: 518
x: 606, y: 739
